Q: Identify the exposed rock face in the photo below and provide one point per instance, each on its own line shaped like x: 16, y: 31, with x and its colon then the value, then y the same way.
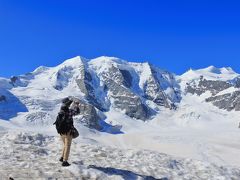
x: 207, y: 85
x: 116, y: 75
x: 88, y: 115
x: 85, y: 83
x: 20, y: 80
x: 155, y: 86
x: 122, y: 98
x: 60, y: 81
x: 229, y: 101
x: 153, y: 91
x: 14, y: 79
x: 130, y: 87
x: 237, y: 83
x: 127, y: 82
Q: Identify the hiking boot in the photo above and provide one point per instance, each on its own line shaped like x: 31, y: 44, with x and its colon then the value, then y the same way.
x: 61, y: 159
x: 65, y: 163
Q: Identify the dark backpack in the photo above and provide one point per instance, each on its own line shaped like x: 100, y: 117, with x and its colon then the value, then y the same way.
x: 60, y: 123
x: 64, y: 122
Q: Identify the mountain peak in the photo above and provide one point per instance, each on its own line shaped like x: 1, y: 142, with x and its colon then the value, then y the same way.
x: 75, y: 61
x: 108, y: 59
x: 211, y: 72
x: 211, y: 69
x: 217, y: 71
x: 227, y: 70
x: 40, y: 69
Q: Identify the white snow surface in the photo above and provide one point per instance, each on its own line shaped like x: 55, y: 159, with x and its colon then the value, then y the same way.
x: 196, y: 141
x: 211, y: 73
x: 33, y: 154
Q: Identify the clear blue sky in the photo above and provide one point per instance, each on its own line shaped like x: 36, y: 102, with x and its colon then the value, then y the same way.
x: 174, y: 35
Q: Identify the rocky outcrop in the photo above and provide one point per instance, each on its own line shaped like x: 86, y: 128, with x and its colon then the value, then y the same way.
x: 237, y: 82
x: 127, y: 78
x: 84, y: 82
x: 206, y: 85
x: 120, y: 77
x: 88, y: 115
x: 60, y: 81
x: 130, y: 87
x: 229, y: 101
x: 122, y: 98
x: 153, y: 92
x: 154, y: 89
x: 14, y: 79
x: 127, y: 101
x: 21, y: 81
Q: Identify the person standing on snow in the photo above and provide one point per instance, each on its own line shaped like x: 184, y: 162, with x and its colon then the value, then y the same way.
x: 64, y: 126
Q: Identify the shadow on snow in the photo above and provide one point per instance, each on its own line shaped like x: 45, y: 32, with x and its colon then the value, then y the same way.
x: 109, y: 128
x: 126, y: 174
x: 11, y: 105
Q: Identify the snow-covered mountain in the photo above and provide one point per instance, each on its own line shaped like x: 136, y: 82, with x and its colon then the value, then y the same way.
x: 131, y: 105
x: 221, y: 83
x: 135, y: 89
x: 138, y: 90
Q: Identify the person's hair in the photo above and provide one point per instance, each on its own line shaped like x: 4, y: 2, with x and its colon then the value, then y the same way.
x: 67, y: 101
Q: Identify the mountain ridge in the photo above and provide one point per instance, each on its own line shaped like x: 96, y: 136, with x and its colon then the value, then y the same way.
x: 138, y: 90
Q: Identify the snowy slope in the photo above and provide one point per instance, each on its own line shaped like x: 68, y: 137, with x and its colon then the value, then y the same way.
x: 201, y: 140
x: 35, y: 156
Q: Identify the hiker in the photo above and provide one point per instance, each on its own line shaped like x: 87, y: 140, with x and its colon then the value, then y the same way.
x: 64, y: 126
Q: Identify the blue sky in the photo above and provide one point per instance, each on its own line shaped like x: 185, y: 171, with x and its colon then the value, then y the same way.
x: 174, y: 35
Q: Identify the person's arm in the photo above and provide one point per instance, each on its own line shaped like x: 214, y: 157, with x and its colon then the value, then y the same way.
x: 74, y: 109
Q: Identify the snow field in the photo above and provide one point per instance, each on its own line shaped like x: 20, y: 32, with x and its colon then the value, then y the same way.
x: 26, y: 155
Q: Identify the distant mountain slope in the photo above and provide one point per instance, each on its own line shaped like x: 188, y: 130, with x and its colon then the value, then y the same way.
x: 138, y: 90
x: 222, y: 84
